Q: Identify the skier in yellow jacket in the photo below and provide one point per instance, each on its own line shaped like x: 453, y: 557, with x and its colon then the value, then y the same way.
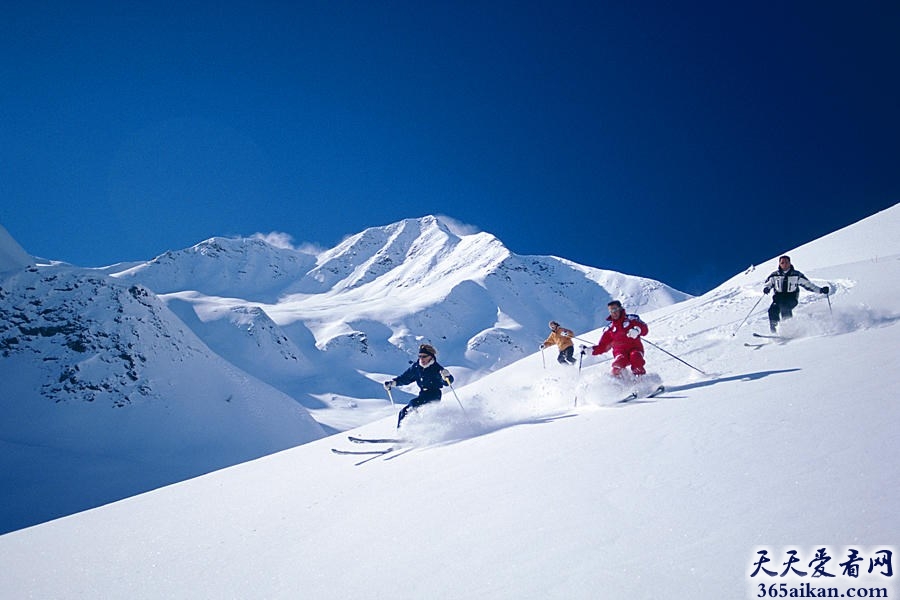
x: 562, y: 339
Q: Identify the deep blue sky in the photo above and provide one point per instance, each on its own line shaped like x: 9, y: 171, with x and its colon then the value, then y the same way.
x: 681, y: 141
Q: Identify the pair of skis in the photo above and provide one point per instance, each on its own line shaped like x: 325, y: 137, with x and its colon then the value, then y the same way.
x: 634, y: 395
x: 372, y: 454
x: 765, y: 337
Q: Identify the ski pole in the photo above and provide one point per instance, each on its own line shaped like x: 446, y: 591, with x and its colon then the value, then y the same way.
x: 543, y: 360
x: 675, y: 357
x: 578, y: 377
x: 748, y: 316
x: 452, y: 389
x: 583, y: 340
x: 390, y: 396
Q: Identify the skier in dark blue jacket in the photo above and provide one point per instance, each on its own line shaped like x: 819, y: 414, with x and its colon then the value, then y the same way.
x: 428, y: 374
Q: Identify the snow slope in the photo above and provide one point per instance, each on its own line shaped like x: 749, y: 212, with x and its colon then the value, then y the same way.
x: 785, y: 445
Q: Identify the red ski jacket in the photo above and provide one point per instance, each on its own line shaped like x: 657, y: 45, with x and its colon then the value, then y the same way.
x: 615, y: 336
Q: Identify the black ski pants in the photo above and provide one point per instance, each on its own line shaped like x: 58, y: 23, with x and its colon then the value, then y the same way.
x: 424, y: 397
x: 782, y: 307
x: 566, y: 356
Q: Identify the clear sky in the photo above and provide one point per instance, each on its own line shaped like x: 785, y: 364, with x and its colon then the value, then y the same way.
x: 681, y: 141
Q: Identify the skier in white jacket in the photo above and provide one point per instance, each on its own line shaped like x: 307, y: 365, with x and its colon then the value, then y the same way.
x: 786, y: 282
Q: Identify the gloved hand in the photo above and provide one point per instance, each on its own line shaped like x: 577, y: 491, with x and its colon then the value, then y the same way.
x: 541, y: 347
x: 634, y: 332
x: 445, y: 373
x: 766, y: 290
x: 825, y: 290
x: 389, y: 384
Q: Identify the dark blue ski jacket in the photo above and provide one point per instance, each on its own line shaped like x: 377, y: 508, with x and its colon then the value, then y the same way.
x: 428, y: 378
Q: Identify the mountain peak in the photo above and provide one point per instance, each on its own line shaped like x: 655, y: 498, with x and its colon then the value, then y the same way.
x: 12, y: 255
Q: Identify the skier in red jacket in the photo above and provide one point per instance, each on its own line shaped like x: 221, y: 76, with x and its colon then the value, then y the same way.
x: 623, y: 336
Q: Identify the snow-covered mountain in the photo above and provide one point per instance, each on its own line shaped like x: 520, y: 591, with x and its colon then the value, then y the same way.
x: 327, y: 329
x: 117, y: 380
x: 106, y: 393
x: 782, y: 448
